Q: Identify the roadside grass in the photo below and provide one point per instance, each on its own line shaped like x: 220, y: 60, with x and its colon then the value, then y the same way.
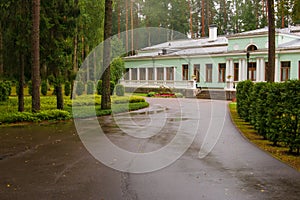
x: 281, y: 153
x: 85, y: 106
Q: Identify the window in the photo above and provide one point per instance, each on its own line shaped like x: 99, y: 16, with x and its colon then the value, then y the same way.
x: 150, y: 74
x: 208, y: 73
x: 142, y: 74
x: 236, y: 72
x: 170, y: 73
x: 285, y: 70
x: 185, y: 72
x: 252, y: 48
x: 252, y: 71
x: 222, y: 72
x: 160, y: 73
x: 134, y: 74
x: 126, y: 75
x: 197, y: 72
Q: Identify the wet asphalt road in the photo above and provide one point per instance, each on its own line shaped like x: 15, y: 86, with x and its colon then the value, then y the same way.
x: 51, y: 162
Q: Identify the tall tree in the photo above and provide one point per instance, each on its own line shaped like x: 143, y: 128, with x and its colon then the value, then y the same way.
x: 35, y: 72
x: 105, y: 98
x: 271, y: 63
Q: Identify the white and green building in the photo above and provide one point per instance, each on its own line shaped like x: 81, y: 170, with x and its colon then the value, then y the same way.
x: 216, y: 62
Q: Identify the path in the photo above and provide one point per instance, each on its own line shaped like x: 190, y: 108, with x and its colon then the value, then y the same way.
x: 50, y: 162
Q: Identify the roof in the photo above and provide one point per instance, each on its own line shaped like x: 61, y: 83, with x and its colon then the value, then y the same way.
x: 204, y: 46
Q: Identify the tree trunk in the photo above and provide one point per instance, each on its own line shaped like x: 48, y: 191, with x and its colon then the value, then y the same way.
x: 21, y: 84
x: 119, y: 19
x: 35, y: 71
x: 75, y: 58
x: 1, y: 52
x: 203, y: 19
x: 191, y: 19
x: 59, y: 96
x: 105, y: 98
x: 271, y: 19
x: 132, y: 26
x: 126, y: 25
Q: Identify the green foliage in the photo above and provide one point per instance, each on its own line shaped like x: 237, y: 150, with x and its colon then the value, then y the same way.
x: 117, y: 69
x: 29, y: 85
x: 243, y: 92
x: 80, y: 87
x: 67, y: 88
x: 90, y: 87
x: 151, y: 94
x: 273, y: 109
x: 179, y: 95
x: 112, y: 87
x: 5, y: 89
x: 44, y: 88
x: 99, y: 87
x: 120, y: 90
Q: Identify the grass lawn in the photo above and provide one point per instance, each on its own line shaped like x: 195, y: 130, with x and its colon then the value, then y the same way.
x: 278, y: 152
x: 85, y: 106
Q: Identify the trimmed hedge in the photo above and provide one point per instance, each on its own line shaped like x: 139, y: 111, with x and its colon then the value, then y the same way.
x: 90, y: 87
x: 5, y: 90
x: 273, y: 109
x: 67, y: 88
x: 80, y: 87
x: 44, y: 88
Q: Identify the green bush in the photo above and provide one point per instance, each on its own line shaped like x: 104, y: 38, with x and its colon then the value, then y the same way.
x: 112, y: 87
x: 67, y: 88
x: 243, y: 92
x: 8, y: 85
x: 90, y: 87
x: 179, y: 95
x: 273, y: 109
x: 29, y: 87
x: 99, y: 87
x: 80, y: 88
x: 44, y: 88
x: 151, y: 94
x: 120, y: 90
x: 4, y: 91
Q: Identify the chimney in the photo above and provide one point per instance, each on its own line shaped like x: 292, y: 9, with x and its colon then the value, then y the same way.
x: 213, y: 33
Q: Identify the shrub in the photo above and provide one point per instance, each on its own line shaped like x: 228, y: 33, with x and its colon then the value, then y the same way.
x: 90, y: 87
x: 4, y: 91
x: 8, y: 86
x: 151, y: 94
x: 29, y: 87
x: 44, y: 88
x: 67, y: 88
x: 243, y: 91
x: 120, y: 90
x: 112, y: 87
x: 99, y: 87
x: 80, y: 88
x: 179, y: 95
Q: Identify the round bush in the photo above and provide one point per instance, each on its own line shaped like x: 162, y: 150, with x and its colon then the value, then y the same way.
x: 112, y: 87
x: 99, y: 87
x: 79, y: 88
x: 90, y: 87
x: 67, y: 88
x: 44, y: 88
x: 120, y: 90
x: 4, y: 91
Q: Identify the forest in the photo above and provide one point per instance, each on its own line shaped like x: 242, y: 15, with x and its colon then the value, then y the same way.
x: 69, y: 30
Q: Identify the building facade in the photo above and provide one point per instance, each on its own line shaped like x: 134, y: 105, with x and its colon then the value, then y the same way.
x: 214, y: 62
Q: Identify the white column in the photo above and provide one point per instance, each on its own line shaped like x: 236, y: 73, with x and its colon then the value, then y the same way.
x: 258, y: 69
x: 244, y: 69
x: 240, y: 70
x: 263, y: 69
x: 165, y: 73
x: 130, y: 75
x: 277, y: 74
x: 231, y: 68
x: 227, y: 68
x: 138, y: 74
x: 155, y: 73
x: 146, y: 71
x: 174, y: 71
